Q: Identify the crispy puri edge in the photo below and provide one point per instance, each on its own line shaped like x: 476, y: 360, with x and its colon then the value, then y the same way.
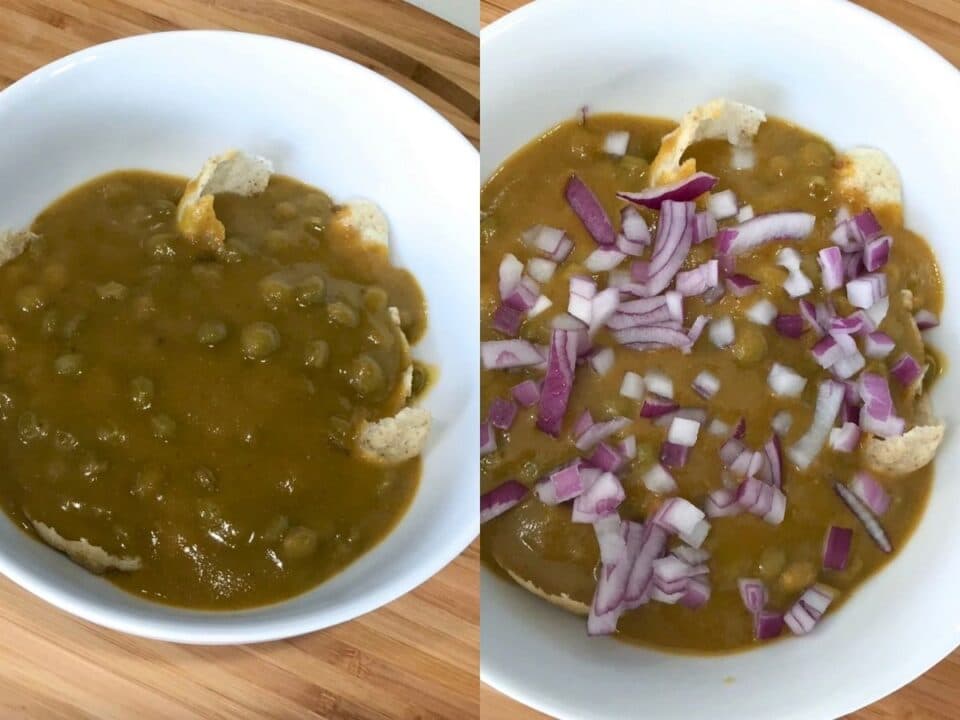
x: 92, y: 557
x: 561, y: 601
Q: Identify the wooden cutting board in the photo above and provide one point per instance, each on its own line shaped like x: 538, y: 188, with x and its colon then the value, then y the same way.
x: 936, y: 695
x: 415, y: 658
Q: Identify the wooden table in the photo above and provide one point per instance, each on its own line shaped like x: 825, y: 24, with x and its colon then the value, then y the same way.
x: 936, y: 695
x: 415, y: 658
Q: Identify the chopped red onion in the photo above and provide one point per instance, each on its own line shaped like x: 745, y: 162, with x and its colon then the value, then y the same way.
x: 609, y: 597
x: 699, y: 280
x: 706, y: 384
x: 541, y: 269
x: 827, y: 351
x: 628, y: 447
x: 600, y: 431
x: 797, y: 284
x: 829, y: 397
x: 616, y: 142
x: 831, y: 268
x: 511, y: 270
x: 704, y: 227
x: 693, y: 334
x: 659, y: 383
x: 502, y: 413
x: 683, y: 190
x: 655, y: 406
x: 782, y: 422
x: 866, y: 290
x: 785, y: 382
x: 848, y: 365
x: 791, y: 326
x: 603, y: 497
x: 876, y: 415
x: 745, y: 213
x: 526, y: 393
x: 866, y: 226
x: 876, y: 253
x: 836, y: 547
x: 506, y: 354
x: 488, y: 439
x: 722, y: 331
x: 524, y: 294
x: 681, y: 517
x: 697, y: 594
x: 773, y: 453
x: 582, y: 290
x: 722, y: 205
x: 507, y: 320
x: 808, y: 311
x: 606, y: 458
x: 845, y: 438
x: 604, y: 259
x: 603, y: 306
x: 718, y: 428
x: 925, y: 319
x: 583, y: 423
x: 763, y: 500
x: 658, y: 480
x: 632, y: 386
x: 742, y: 157
x: 670, y: 569
x: 590, y: 211
x: 552, y: 242
x: 850, y: 325
x: 563, y: 484
x: 602, y: 361
x: 674, y: 455
x: 633, y: 226
x: 878, y: 311
x: 753, y: 592
x: 741, y: 285
x: 670, y: 246
x: 878, y: 344
x: 807, y: 611
x: 688, y: 413
x: 765, y: 228
x: 558, y: 382
x: 762, y: 312
x: 542, y: 304
x: 722, y: 503
x: 611, y: 535
x: 871, y: 492
x: 683, y: 431
x: 866, y: 518
x: 767, y: 625
x: 906, y: 370
x: 500, y: 499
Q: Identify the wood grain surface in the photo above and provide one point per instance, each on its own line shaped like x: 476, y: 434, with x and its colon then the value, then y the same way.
x: 415, y: 658
x: 935, y: 695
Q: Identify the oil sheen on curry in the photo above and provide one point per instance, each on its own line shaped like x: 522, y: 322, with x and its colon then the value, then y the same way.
x: 208, y: 408
x: 705, y: 412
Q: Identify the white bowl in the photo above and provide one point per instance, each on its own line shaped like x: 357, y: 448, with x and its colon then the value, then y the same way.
x: 166, y: 102
x: 856, y: 79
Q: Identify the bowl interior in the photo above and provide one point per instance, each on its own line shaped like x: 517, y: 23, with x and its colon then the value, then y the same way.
x: 820, y: 64
x: 166, y: 102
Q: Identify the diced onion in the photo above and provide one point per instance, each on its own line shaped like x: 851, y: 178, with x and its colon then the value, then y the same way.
x: 658, y: 480
x: 721, y: 331
x: 659, y: 383
x: 683, y: 431
x: 785, y: 382
x: 632, y: 386
x: 500, y: 499
x: 722, y: 205
x: 616, y: 142
x: 762, y: 312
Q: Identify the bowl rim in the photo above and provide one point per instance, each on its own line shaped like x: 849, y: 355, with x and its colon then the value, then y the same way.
x: 912, y: 667
x: 226, y: 627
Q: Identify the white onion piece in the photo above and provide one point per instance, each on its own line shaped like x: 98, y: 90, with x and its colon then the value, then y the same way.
x: 722, y: 205
x: 706, y: 384
x: 541, y: 269
x: 742, y: 157
x: 616, y: 142
x: 683, y: 431
x: 788, y: 258
x: 878, y: 311
x: 785, y: 382
x: 745, y: 213
x: 762, y: 312
x: 719, y: 428
x: 542, y: 304
x: 632, y: 386
x: 659, y: 384
x: 781, y: 422
x: 602, y: 361
x: 721, y: 331
x: 658, y: 480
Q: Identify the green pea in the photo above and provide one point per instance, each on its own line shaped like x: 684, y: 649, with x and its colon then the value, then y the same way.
x: 30, y: 298
x: 141, y: 392
x: 111, y: 434
x: 160, y: 247
x: 71, y: 364
x: 375, y: 299
x: 275, y: 529
x: 112, y: 291
x: 205, y: 478
x: 276, y: 292
x: 311, y: 291
x: 259, y: 340
x: 31, y: 427
x: 164, y: 427
x: 92, y: 467
x: 365, y: 375
x: 211, y: 332
x: 317, y: 354
x: 7, y: 405
x: 149, y: 482
x: 8, y: 341
x: 342, y: 314
x: 65, y: 441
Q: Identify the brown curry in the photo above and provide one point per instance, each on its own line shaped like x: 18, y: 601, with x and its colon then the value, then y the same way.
x: 794, y: 170
x: 196, y: 412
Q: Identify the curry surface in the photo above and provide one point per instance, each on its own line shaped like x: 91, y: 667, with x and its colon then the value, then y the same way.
x: 160, y: 436
x: 794, y: 171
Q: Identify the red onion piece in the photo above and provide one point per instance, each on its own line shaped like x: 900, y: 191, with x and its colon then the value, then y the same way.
x: 591, y: 213
x: 583, y: 423
x: 488, y: 439
x: 653, y: 545
x: 550, y: 241
x: 632, y: 386
x: 866, y: 518
x: 926, y: 319
x: 765, y: 228
x: 687, y: 189
x: 679, y: 516
x: 674, y: 455
x: 697, y: 594
x: 654, y: 406
x: 722, y: 503
x: 866, y: 226
x: 658, y: 480
x: 662, y: 335
x: 763, y: 500
x: 785, y: 382
x: 831, y: 268
x: 722, y: 205
x: 741, y: 285
x: 511, y: 270
x: 558, y: 382
x: 608, y: 599
x: 762, y: 312
x: 602, y: 361
x: 877, y: 345
x: 805, y: 450
x: 611, y: 535
x: 683, y: 431
x: 616, y: 142
x: 866, y: 290
x: 782, y: 422
x: 541, y: 269
x: 524, y: 294
x: 500, y: 499
x: 526, y: 393
x: 670, y: 247
x: 871, y: 492
x: 604, y: 259
x: 606, y: 458
x: 876, y: 415
x: 563, y: 484
x: 628, y: 447
x: 603, y: 306
x: 633, y: 226
x: 502, y: 413
x: 845, y: 438
x: 600, y: 431
x: 836, y: 547
x: 850, y: 325
x: 704, y: 227
x: 767, y: 625
x: 773, y: 451
x: 807, y: 611
x: 506, y: 354
x: 699, y: 280
x: 753, y: 592
x: 603, y: 497
x: 706, y: 384
x: 876, y: 253
x: 507, y: 320
x: 722, y: 331
x: 791, y: 326
x: 906, y: 370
